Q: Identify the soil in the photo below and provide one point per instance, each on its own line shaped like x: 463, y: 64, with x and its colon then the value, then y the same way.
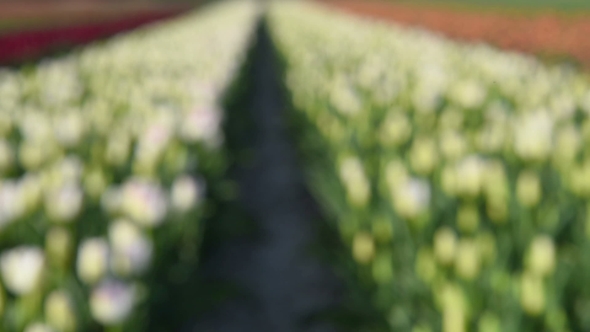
x: 542, y: 33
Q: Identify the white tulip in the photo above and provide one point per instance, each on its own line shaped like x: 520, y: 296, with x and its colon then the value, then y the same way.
x: 534, y: 136
x: 411, y: 198
x: 186, y: 193
x: 12, y: 202
x: 65, y: 203
x: 131, y: 250
x: 470, y: 176
x: 93, y: 260
x: 69, y: 129
x: 355, y: 181
x: 202, y: 124
x: 22, y: 268
x: 111, y: 302
x: 59, y: 311
x: 144, y: 202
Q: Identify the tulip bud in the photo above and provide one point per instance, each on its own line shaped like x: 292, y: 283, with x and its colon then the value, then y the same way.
x: 568, y: 144
x: 58, y: 244
x: 363, y: 248
x: 468, y: 218
x: 453, y: 320
x: 95, y: 183
x: 467, y: 262
x: 469, y: 179
x: 445, y: 245
x: 357, y: 185
x: 395, y: 173
x: 541, y: 256
x: 423, y: 156
x: 452, y: 145
x: 528, y: 189
x: 497, y: 211
x: 453, y: 306
x: 92, y: 262
x: 59, y: 312
x: 532, y: 294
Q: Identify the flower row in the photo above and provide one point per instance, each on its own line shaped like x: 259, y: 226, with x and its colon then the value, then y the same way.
x: 459, y: 174
x: 105, y: 159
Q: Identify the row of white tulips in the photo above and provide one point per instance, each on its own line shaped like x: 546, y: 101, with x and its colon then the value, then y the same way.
x: 459, y: 173
x: 103, y: 153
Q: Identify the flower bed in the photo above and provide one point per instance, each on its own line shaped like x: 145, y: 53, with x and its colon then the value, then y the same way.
x: 106, y: 159
x: 552, y: 35
x: 30, y: 44
x: 457, y: 174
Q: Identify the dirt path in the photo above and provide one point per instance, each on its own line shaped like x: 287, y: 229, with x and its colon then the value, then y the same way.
x: 284, y: 285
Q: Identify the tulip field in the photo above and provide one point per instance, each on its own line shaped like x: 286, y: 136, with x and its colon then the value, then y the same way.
x: 105, y: 158
x: 552, y: 30
x: 456, y: 175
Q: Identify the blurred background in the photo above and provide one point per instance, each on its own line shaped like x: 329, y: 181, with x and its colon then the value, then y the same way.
x: 32, y: 28
x: 553, y: 30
